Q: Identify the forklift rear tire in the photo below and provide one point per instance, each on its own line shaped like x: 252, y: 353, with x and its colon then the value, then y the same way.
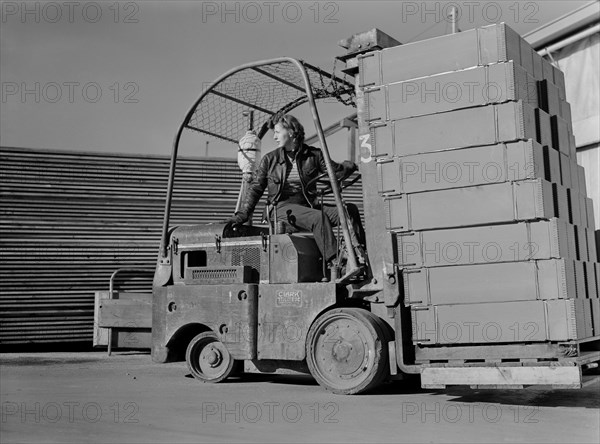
x: 346, y: 351
x: 208, y: 359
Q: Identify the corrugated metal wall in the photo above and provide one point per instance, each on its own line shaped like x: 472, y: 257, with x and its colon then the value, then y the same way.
x: 69, y: 219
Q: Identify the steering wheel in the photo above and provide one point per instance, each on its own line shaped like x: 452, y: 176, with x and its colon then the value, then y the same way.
x: 323, y: 179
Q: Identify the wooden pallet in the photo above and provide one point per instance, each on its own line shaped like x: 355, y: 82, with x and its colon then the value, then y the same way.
x: 581, y: 351
x: 561, y: 367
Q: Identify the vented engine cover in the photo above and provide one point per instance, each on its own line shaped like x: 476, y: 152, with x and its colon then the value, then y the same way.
x: 201, y: 256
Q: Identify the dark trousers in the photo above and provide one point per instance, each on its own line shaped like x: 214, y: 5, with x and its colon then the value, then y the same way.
x: 310, y: 219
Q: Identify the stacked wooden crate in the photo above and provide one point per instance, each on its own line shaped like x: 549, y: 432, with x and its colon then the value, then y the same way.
x: 476, y: 164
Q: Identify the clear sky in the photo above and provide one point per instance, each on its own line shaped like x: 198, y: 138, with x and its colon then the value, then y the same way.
x: 120, y: 76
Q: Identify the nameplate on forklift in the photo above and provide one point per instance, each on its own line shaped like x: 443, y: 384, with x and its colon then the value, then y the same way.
x: 288, y: 298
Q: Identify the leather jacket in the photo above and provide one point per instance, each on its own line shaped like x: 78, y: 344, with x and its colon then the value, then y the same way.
x: 272, y: 172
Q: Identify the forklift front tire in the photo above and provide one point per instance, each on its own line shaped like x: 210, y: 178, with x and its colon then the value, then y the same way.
x: 346, y: 351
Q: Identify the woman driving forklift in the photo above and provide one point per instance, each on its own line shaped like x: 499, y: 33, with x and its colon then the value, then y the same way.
x: 288, y: 173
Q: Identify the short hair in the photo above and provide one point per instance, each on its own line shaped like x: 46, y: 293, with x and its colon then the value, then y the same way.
x: 291, y: 124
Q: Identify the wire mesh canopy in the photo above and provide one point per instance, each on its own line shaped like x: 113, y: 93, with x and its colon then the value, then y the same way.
x: 267, y: 88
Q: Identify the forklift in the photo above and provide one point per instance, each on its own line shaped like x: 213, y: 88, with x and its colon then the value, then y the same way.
x: 257, y: 299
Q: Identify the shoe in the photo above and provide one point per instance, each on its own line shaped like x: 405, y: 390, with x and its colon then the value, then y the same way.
x: 349, y: 275
x: 361, y: 255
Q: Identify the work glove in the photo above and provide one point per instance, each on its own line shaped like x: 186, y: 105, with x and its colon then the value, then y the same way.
x: 239, y: 218
x: 350, y: 166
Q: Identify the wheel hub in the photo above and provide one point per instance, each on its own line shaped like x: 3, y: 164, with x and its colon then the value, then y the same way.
x: 213, y: 357
x: 344, y: 350
x: 208, y: 359
x: 341, y: 351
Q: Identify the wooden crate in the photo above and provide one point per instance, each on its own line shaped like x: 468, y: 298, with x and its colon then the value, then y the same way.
x: 575, y: 181
x: 583, y: 314
x: 573, y: 145
x: 467, y: 167
x: 559, y: 81
x: 553, y: 165
x: 479, y: 86
x: 549, y: 97
x: 582, y: 243
x: 591, y: 244
x: 592, y: 281
x: 495, y: 322
x: 595, y: 316
x: 565, y: 170
x: 572, y: 205
x: 526, y: 51
x: 583, y: 208
x: 475, y: 47
x: 565, y: 113
x: 589, y: 212
x: 581, y: 176
x: 469, y: 206
x: 543, y: 127
x: 548, y: 70
x: 562, y: 201
x: 581, y: 290
x: 561, y: 138
x: 579, y: 216
x: 494, y: 282
x: 486, y: 125
x: 538, y: 67
x: 487, y: 244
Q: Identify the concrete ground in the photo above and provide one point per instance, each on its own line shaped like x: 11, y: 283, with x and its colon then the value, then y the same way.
x: 90, y: 397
